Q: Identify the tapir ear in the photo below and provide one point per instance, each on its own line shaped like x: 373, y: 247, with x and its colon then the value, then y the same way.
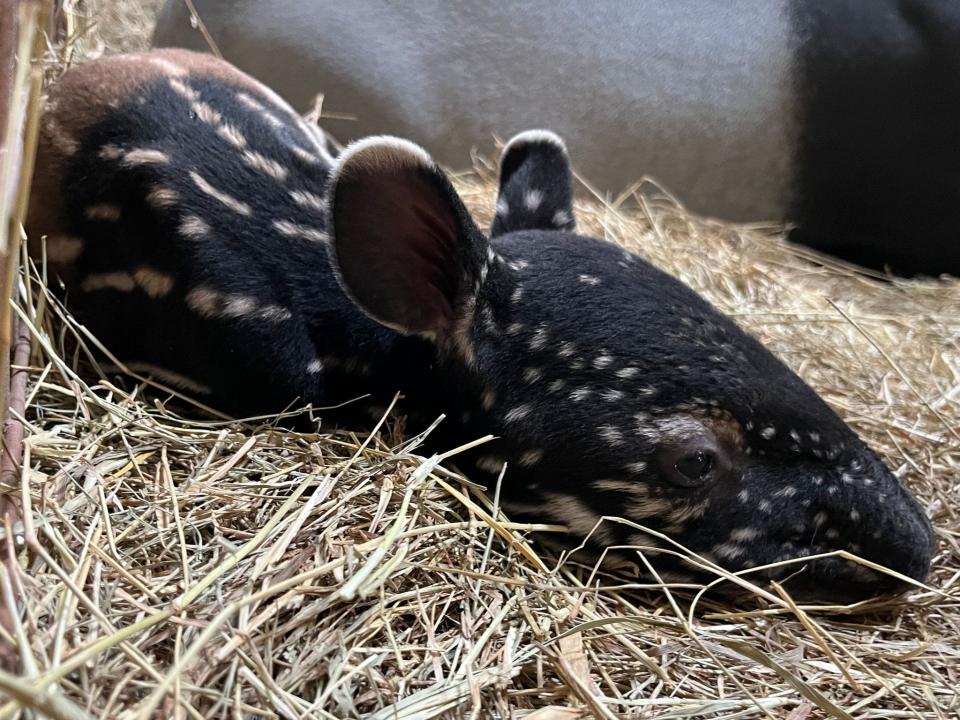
x: 535, y: 185
x: 404, y: 246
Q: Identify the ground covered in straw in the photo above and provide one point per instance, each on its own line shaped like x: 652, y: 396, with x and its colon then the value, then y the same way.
x: 179, y: 568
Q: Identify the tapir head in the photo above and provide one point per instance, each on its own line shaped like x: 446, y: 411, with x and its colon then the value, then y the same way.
x: 612, y: 388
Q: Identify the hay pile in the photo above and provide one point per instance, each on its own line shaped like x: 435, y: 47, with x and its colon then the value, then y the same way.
x: 171, y: 568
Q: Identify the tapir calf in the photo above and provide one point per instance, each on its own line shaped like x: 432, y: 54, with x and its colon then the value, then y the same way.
x: 838, y: 116
x: 202, y: 228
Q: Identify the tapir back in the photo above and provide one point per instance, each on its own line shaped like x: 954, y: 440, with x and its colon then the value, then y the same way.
x: 187, y: 203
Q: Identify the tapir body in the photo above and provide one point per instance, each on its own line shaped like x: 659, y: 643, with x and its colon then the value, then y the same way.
x: 839, y: 116
x: 204, y: 230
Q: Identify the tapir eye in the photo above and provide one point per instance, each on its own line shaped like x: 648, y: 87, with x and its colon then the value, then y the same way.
x: 693, y: 459
x: 696, y: 466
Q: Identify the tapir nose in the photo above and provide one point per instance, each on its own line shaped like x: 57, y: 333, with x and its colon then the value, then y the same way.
x: 882, y: 523
x: 898, y: 534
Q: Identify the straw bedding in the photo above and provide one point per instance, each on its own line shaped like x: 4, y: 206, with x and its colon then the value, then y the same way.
x: 206, y: 569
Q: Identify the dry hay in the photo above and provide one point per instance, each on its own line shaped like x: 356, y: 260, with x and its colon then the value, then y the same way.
x: 176, y: 568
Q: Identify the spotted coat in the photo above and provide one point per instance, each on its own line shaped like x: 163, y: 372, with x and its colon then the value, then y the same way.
x: 204, y: 230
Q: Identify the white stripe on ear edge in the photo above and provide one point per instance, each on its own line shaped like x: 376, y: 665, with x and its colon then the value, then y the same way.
x: 382, y: 152
x: 532, y: 137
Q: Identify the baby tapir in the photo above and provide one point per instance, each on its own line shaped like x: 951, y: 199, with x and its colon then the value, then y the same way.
x: 201, y: 227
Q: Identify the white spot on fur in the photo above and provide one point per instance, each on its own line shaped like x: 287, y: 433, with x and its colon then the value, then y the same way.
x: 728, y: 551
x: 490, y: 463
x: 274, y: 313
x: 556, y: 386
x: 567, y: 349
x: 532, y: 374
x: 291, y: 229
x: 205, y: 113
x: 110, y: 152
x: 249, y: 102
x: 102, y: 211
x: 518, y: 265
x: 144, y: 156
x: 307, y: 200
x: 184, y: 90
x: 194, y: 227
x: 768, y: 432
x: 743, y: 496
x: 306, y: 155
x: 63, y: 249
x: 855, y: 515
x: 589, y: 279
x: 539, y: 339
x: 577, y: 516
x: 637, y: 467
x: 489, y: 399
x: 315, y: 366
x: 231, y: 202
x: 580, y: 394
x: 514, y: 328
x: 611, y: 395
x: 561, y: 218
x: 263, y: 164
x: 170, y: 68
x: 154, y: 283
x: 602, y: 361
x: 161, y: 197
x: 63, y: 141
x: 503, y: 207
x: 516, y: 294
x: 627, y: 373
x: 532, y: 199
x: 489, y: 323
x: 210, y: 303
x: 531, y: 458
x: 120, y: 281
x: 238, y: 305
x: 517, y: 413
x: 745, y: 534
x: 610, y: 434
x: 232, y: 135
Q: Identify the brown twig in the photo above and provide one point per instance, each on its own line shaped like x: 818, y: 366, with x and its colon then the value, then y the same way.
x: 21, y: 125
x: 201, y: 26
x: 9, y: 472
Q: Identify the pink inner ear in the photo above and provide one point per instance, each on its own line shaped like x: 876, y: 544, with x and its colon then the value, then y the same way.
x: 396, y: 239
